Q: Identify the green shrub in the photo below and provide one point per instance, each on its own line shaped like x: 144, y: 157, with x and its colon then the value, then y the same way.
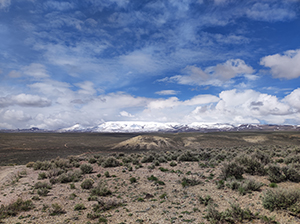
x: 205, y: 201
x: 54, y: 172
x: 106, y: 205
x: 42, y: 176
x: 159, y: 182
x: 39, y: 185
x: 30, y: 164
x: 79, y: 207
x: 231, y: 169
x: 233, y: 215
x: 71, y: 176
x: 186, y: 182
x: 56, y: 209
x: 45, y: 165
x: 280, y: 199
x: 251, y: 165
x: 127, y: 159
x: 273, y: 185
x: 152, y: 178
x: 147, y: 159
x: 106, y: 174
x: 72, y: 196
x: 86, y: 168
x: 62, y: 163
x: 163, y: 196
x: 163, y: 169
x: 173, y: 164
x: 111, y: 162
x: 264, y: 158
x: 275, y: 174
x: 87, y: 184
x: 291, y: 174
x: 100, y: 189
x: 132, y: 180
x: 14, y: 208
x: 162, y: 159
x: 43, y: 191
x: 187, y: 156
x: 92, y: 160
x: 248, y: 186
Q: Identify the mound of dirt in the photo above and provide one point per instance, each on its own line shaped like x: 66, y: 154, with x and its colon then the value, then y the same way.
x: 147, y: 142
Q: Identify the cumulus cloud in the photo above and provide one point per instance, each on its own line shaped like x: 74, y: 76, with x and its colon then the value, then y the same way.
x: 293, y: 99
x: 247, y: 106
x: 215, y: 75
x: 24, y: 100
x: 167, y: 92
x: 285, y: 66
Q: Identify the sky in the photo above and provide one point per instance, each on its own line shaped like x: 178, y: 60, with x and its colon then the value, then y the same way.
x: 185, y: 61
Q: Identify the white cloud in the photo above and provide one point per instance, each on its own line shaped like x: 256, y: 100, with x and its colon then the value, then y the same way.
x: 14, y: 74
x: 167, y: 92
x: 270, y: 12
x: 36, y: 70
x: 24, y: 100
x: 56, y: 5
x: 125, y: 114
x: 293, y: 99
x: 14, y: 116
x: 283, y: 66
x: 86, y: 88
x: 4, y: 4
x: 215, y: 75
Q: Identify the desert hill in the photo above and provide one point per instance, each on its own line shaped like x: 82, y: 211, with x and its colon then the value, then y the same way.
x: 147, y: 142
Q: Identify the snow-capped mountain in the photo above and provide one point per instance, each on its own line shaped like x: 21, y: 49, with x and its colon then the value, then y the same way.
x: 141, y: 126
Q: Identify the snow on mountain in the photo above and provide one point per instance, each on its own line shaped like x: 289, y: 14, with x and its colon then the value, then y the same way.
x: 74, y: 128
x: 135, y: 126
x: 141, y: 126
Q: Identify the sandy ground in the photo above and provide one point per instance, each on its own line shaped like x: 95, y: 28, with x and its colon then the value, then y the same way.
x: 180, y: 205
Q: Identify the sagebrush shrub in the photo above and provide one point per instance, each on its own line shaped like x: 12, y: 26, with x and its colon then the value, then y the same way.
x: 111, y: 162
x: 291, y: 174
x: 87, y: 184
x: 101, y: 189
x: 275, y: 174
x: 79, y: 207
x: 280, y: 198
x: 187, y: 156
x: 86, y: 168
x: 251, y: 165
x: 147, y: 159
x: 39, y: 185
x: 56, y: 209
x: 232, y: 169
x: 14, y: 208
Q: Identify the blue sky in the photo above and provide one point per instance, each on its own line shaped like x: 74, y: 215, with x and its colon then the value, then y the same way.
x: 208, y: 61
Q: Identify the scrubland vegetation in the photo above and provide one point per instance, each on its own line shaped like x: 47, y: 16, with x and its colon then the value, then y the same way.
x: 246, y: 184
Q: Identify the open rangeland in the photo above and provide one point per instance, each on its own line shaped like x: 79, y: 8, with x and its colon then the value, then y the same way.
x: 248, y: 177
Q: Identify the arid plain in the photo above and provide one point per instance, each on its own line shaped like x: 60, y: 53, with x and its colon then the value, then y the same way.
x: 224, y: 177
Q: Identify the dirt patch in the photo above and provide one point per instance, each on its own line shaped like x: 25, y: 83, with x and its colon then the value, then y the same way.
x: 255, y: 139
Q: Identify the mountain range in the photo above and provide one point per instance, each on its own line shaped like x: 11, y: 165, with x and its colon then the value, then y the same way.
x: 147, y: 127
